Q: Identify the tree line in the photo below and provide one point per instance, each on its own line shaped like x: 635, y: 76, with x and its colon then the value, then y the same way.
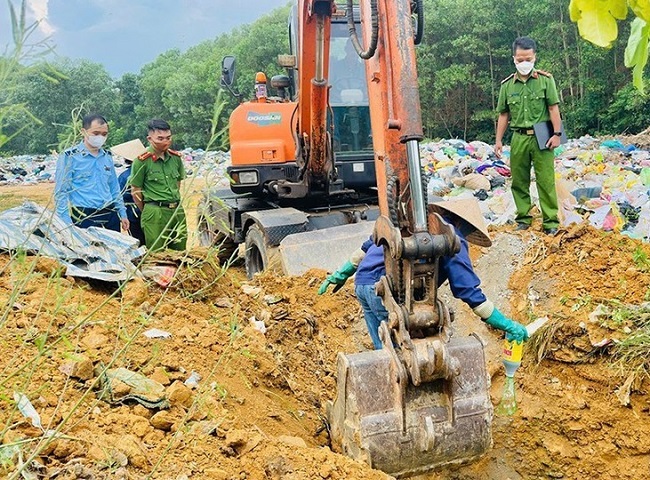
x: 464, y: 55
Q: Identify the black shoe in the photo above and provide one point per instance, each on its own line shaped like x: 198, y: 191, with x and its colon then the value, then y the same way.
x: 522, y: 226
x: 550, y: 231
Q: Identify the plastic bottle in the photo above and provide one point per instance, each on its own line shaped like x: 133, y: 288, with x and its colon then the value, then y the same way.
x: 260, y: 87
x: 512, y: 353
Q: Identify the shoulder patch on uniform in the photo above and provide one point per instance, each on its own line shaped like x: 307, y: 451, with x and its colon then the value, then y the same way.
x: 543, y: 72
x: 174, y: 152
x: 507, y: 78
x: 71, y: 151
x: 145, y: 155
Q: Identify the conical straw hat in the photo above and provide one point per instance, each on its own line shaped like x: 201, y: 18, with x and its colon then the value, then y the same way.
x: 468, y: 210
x: 129, y: 150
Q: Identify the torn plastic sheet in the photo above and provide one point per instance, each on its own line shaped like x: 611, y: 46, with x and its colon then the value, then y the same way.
x: 157, y: 333
x: 27, y: 409
x: 93, y: 252
x: 140, y: 389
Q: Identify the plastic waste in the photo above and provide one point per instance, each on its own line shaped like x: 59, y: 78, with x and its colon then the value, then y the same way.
x: 27, y: 409
x: 193, y: 380
x: 157, y: 333
x: 512, y: 353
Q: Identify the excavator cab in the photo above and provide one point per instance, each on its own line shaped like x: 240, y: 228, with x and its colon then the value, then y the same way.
x: 349, y: 117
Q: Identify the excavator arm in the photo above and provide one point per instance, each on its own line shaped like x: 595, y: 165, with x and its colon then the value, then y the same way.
x: 422, y: 400
x: 313, y: 64
x: 314, y: 153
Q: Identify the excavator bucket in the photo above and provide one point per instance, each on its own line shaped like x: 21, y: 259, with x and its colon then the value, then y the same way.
x: 405, y: 430
x: 326, y: 249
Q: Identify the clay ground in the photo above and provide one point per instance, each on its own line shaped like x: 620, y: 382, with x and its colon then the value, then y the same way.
x: 258, y: 410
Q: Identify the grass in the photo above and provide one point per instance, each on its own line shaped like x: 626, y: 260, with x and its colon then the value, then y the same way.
x: 633, y: 352
x: 640, y: 259
x: 52, y: 335
x: 10, y: 200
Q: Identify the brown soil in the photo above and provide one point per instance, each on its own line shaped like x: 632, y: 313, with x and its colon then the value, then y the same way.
x: 258, y: 410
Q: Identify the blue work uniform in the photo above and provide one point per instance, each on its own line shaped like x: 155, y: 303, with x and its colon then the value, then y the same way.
x: 86, y: 190
x: 463, y: 282
x: 132, y: 211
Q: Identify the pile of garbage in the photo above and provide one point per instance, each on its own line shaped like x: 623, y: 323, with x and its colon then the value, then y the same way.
x: 27, y: 169
x: 605, y: 182
x: 33, y: 169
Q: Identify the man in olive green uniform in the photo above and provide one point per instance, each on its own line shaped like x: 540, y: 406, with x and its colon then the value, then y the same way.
x: 155, y: 184
x: 527, y: 97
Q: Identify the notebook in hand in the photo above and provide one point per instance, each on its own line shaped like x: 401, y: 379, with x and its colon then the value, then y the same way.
x: 543, y: 131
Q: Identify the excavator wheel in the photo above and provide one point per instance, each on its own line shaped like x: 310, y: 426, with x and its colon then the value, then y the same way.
x: 259, y: 256
x: 209, y: 237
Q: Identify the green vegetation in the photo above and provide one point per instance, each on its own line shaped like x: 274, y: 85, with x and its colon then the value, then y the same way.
x: 465, y: 54
x: 597, y: 23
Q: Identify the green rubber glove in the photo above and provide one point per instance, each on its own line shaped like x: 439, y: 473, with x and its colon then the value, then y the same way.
x: 514, y: 330
x: 338, y: 278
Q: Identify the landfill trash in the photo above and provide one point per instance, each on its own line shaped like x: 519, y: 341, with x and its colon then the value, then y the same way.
x: 193, y: 380
x: 250, y: 290
x: 257, y: 324
x: 600, y: 182
x: 156, y: 333
x: 27, y: 409
x: 161, y: 274
x: 140, y: 389
x: 272, y: 299
x: 8, y: 454
x: 597, y: 172
x: 34, y: 169
x: 93, y: 252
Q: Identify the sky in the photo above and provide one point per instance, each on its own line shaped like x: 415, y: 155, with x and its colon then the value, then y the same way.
x: 124, y: 35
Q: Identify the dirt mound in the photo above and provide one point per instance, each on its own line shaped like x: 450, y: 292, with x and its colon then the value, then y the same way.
x: 255, y: 413
x: 247, y: 368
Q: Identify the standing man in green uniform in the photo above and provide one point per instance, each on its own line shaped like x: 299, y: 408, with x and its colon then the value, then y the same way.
x: 155, y: 185
x: 527, y: 97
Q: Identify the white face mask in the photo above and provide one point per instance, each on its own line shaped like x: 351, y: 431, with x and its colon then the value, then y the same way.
x: 96, y: 141
x: 524, y: 68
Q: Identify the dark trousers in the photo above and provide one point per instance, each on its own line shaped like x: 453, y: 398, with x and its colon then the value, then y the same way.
x: 135, y: 228
x: 92, y: 217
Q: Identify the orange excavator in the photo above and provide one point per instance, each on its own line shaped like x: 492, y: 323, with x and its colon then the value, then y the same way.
x: 302, y: 160
x: 422, y: 400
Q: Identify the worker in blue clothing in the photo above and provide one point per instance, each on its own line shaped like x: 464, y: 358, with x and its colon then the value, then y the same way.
x: 86, y: 190
x: 368, y: 263
x: 129, y: 151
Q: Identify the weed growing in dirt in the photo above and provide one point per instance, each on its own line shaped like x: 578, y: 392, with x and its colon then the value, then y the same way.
x: 539, y: 344
x: 640, y: 259
x: 632, y: 353
x: 581, y: 301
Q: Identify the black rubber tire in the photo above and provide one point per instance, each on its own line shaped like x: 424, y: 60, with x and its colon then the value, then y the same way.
x: 208, y: 237
x: 258, y: 255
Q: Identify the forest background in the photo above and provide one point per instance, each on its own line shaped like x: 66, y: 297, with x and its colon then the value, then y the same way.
x: 464, y: 56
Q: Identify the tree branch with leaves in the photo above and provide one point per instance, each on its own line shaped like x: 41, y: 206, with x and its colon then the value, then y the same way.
x: 597, y: 22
